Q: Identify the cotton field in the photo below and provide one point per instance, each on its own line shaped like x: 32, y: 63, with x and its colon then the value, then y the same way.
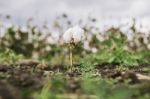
x: 91, y: 58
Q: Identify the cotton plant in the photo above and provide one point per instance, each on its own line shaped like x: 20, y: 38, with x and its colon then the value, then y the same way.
x: 71, y: 37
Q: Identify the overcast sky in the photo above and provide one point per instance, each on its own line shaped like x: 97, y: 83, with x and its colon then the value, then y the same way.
x: 47, y: 9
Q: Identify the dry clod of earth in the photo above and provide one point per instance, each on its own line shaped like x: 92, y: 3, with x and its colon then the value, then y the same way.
x: 7, y: 91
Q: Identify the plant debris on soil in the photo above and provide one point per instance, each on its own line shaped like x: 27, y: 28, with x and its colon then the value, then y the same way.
x: 16, y: 78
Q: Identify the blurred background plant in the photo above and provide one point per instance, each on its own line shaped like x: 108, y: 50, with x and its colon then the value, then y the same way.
x: 113, y: 44
x: 9, y: 57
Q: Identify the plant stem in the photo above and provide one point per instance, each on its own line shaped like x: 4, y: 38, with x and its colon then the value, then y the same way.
x: 71, y: 46
x: 71, y: 57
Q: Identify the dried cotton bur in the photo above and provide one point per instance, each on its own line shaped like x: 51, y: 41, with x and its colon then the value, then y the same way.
x: 71, y: 37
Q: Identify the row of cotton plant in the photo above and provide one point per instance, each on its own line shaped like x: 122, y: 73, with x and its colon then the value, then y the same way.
x: 34, y: 40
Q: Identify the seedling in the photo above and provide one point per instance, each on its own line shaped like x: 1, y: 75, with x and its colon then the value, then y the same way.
x: 72, y: 36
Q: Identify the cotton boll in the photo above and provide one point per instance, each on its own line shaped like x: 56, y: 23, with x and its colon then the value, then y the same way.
x: 86, y: 45
x: 36, y: 30
x: 148, y: 46
x: 56, y: 37
x: 75, y: 33
x: 100, y: 37
x: 17, y: 36
x: 94, y: 50
x: 130, y: 35
x: 50, y: 40
x: 126, y: 48
x: 24, y: 29
x: 16, y: 28
x: 137, y: 42
x: 78, y: 34
x: 30, y: 36
x: 67, y: 36
x: 145, y: 40
x: 89, y: 37
x: 48, y: 48
x: 2, y: 32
